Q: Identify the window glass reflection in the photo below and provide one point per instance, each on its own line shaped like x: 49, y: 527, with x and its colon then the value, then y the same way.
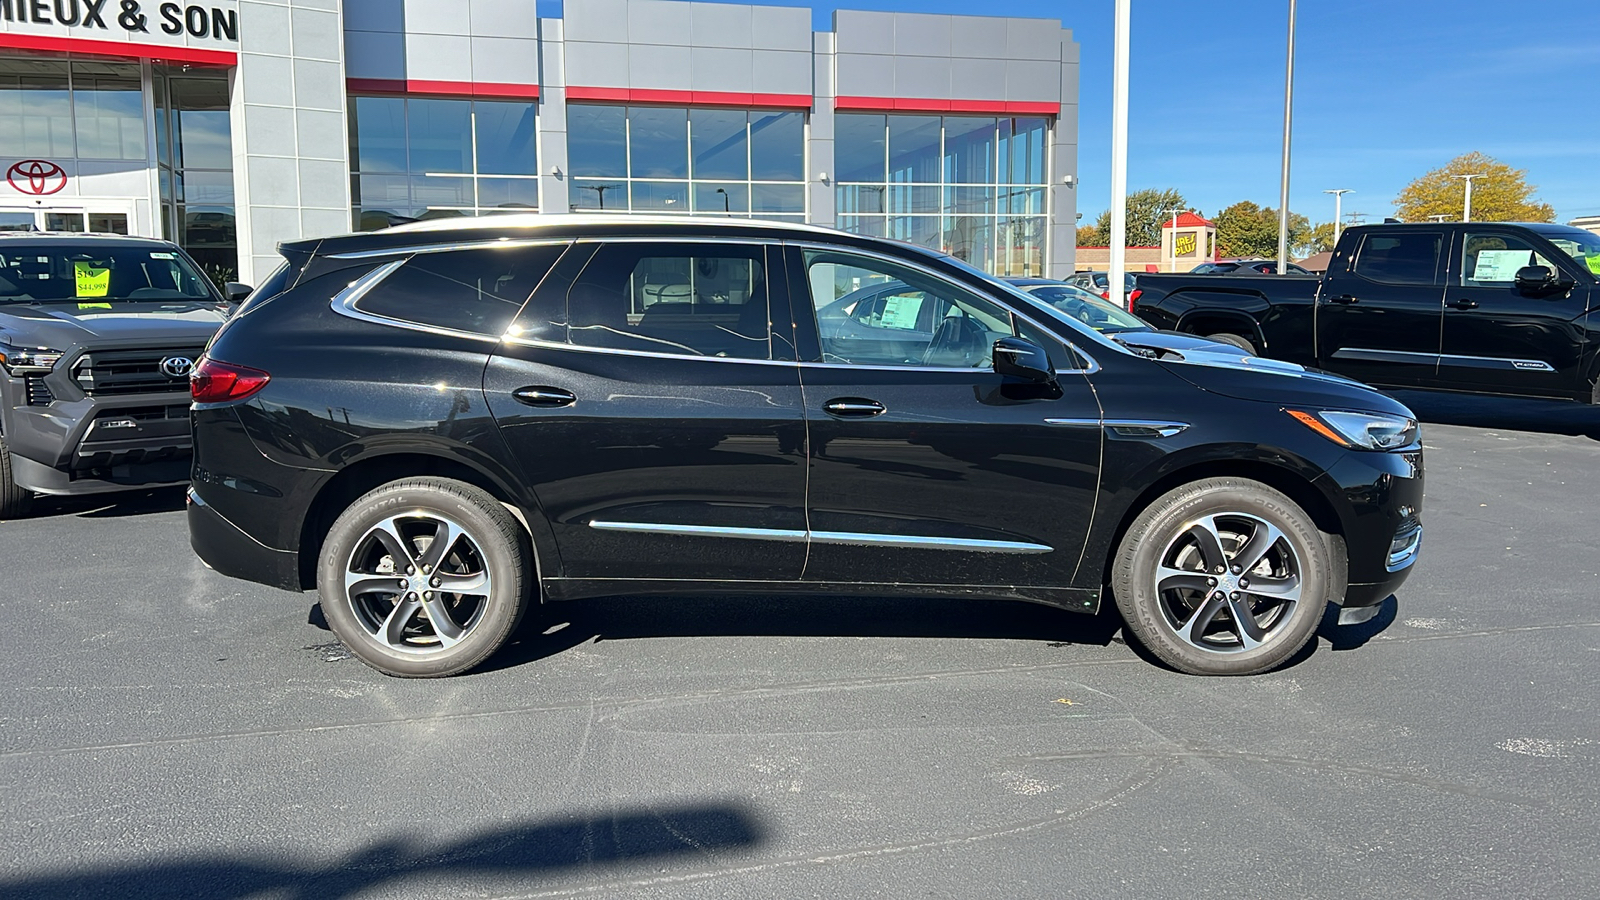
x: 597, y: 140
x: 439, y: 135
x: 506, y: 138
x: 914, y: 149
x: 777, y: 146
x: 380, y: 142
x: 658, y: 142
x: 719, y: 145
x: 858, y: 147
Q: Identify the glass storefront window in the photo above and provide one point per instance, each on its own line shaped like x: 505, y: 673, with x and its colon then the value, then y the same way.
x: 706, y: 160
x: 194, y: 156
x: 972, y: 186
x: 86, y: 110
x: 428, y: 158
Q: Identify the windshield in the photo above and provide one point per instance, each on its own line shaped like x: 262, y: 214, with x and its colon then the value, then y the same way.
x: 95, y: 276
x: 1582, y: 246
x: 1098, y: 314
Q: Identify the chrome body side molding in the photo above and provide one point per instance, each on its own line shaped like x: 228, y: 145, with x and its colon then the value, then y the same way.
x: 853, y: 538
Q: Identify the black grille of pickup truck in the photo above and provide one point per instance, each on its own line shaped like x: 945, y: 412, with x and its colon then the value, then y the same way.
x: 110, y: 372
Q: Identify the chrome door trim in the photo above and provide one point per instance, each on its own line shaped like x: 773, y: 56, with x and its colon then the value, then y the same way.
x: 1090, y: 369
x: 852, y: 538
x: 1127, y: 427
x: 484, y: 244
x: 1496, y: 362
x: 1363, y: 354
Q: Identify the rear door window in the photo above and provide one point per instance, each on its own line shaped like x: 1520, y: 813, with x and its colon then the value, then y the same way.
x: 477, y: 291
x: 1408, y: 257
x: 688, y: 299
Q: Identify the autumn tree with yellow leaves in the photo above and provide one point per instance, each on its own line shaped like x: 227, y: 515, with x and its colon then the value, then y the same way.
x: 1503, y: 194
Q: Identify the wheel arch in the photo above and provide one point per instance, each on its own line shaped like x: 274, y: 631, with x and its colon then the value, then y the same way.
x: 1206, y: 322
x: 361, y: 476
x: 1287, y: 481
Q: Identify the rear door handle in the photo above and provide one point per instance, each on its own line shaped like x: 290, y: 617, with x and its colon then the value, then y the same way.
x: 1465, y: 304
x: 853, y: 408
x: 1344, y: 299
x: 544, y: 397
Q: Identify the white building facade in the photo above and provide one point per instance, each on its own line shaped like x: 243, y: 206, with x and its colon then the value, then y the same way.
x: 231, y: 125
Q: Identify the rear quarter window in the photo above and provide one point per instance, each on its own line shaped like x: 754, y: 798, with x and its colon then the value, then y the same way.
x: 1410, y: 257
x: 478, y: 291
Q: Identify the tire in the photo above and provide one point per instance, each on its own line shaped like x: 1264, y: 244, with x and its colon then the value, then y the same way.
x: 383, y: 619
x: 1236, y: 340
x: 15, y: 502
x: 1182, y: 621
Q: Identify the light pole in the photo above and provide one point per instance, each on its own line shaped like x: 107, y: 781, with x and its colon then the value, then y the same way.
x: 1119, y: 154
x: 1173, y: 258
x: 1288, y: 118
x: 1338, y: 204
x: 1466, y: 207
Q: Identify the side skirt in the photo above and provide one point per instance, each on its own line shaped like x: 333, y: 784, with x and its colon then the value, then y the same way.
x: 1084, y: 600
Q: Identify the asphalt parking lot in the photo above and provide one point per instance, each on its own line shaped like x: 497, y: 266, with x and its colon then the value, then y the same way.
x: 169, y: 732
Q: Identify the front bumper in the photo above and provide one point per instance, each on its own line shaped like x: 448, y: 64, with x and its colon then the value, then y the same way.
x: 1382, y: 495
x: 94, y: 444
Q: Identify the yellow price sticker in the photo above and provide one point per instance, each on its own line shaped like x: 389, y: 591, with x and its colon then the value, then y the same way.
x: 91, y: 280
x: 1594, y: 264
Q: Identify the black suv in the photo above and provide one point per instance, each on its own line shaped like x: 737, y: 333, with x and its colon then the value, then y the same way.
x: 438, y: 425
x: 98, y: 334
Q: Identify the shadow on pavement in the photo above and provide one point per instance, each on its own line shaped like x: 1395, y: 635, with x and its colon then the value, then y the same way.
x: 568, y: 624
x: 1351, y: 637
x: 531, y: 849
x: 1506, y: 413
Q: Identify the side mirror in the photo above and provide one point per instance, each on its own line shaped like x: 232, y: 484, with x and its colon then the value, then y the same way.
x: 1022, y: 358
x: 1540, y: 281
x: 234, y: 291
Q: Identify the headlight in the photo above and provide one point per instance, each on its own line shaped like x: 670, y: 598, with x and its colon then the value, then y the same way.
x: 28, y: 361
x: 1362, y: 431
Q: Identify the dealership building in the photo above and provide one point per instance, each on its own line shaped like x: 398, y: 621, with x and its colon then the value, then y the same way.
x: 231, y: 125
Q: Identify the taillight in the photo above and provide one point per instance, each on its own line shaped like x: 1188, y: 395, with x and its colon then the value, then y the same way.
x: 215, y: 381
x: 1132, y: 297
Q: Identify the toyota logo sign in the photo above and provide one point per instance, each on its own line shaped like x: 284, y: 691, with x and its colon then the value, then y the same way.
x: 37, y: 177
x: 177, y: 366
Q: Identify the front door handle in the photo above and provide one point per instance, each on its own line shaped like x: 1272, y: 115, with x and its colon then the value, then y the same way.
x: 1344, y: 299
x: 544, y: 397
x: 1465, y: 304
x: 853, y: 408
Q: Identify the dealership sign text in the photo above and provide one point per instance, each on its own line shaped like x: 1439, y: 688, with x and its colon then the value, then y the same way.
x: 128, y: 15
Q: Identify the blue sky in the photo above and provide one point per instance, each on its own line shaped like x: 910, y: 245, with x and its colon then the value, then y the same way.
x: 1385, y: 90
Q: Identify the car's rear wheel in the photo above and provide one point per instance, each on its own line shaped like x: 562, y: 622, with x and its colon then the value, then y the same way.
x: 14, y: 501
x: 1223, y: 576
x: 424, y: 577
x: 1235, y: 340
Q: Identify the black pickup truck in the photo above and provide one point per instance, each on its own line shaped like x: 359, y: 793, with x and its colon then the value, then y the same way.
x: 1481, y: 307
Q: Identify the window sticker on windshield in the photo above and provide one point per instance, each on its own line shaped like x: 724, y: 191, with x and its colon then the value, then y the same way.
x: 161, y: 255
x: 901, y: 312
x: 92, y: 281
x: 1594, y: 263
x: 1500, y: 265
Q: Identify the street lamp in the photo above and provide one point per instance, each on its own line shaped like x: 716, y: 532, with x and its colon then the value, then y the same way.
x: 724, y: 194
x: 1338, y: 204
x: 600, y: 189
x: 1288, y: 118
x: 1173, y: 258
x: 1466, y: 208
x: 1119, y: 154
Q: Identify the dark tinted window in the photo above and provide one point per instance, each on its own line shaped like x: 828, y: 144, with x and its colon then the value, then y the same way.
x: 466, y: 290
x: 686, y: 299
x: 1401, y: 257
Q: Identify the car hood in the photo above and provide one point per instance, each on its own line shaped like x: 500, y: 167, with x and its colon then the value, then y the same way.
x: 1225, y: 369
x: 63, y: 325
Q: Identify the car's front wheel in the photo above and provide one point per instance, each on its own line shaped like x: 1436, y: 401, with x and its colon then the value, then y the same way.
x: 424, y: 577
x: 1224, y: 576
x: 14, y: 501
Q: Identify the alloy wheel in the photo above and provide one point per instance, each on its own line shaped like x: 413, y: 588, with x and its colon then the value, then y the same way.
x: 1228, y: 583
x: 417, y: 582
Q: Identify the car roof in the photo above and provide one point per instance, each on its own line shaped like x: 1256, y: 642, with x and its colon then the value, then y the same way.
x: 57, y: 238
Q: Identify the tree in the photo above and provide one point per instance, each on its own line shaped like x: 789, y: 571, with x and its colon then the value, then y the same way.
x: 1501, y: 195
x: 1319, y: 239
x: 1246, y: 229
x: 1147, y: 210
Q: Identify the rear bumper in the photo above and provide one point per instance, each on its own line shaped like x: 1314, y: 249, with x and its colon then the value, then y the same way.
x: 224, y: 547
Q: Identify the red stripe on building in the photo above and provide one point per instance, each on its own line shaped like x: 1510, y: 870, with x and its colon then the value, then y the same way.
x: 690, y: 98
x: 442, y: 88
x: 191, y: 55
x: 929, y: 104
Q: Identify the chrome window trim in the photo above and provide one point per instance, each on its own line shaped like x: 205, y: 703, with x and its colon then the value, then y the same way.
x: 742, y: 240
x: 849, y: 538
x: 344, y: 303
x: 484, y: 244
x: 1126, y: 427
x: 1092, y: 368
